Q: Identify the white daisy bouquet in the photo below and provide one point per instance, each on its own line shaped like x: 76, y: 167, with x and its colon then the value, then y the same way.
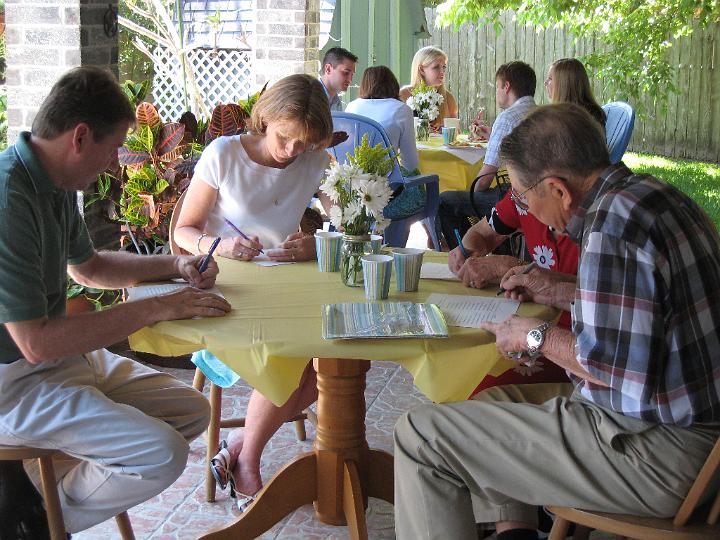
x: 426, y: 101
x: 359, y: 189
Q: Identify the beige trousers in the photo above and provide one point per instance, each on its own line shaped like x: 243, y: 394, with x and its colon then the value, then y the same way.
x: 127, y: 424
x: 499, y: 457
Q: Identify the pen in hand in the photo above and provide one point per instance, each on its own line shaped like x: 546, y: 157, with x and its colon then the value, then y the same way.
x: 460, y: 244
x: 206, y: 259
x: 526, y: 270
x: 245, y: 236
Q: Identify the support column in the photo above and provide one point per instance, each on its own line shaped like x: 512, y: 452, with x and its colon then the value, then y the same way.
x: 286, y: 38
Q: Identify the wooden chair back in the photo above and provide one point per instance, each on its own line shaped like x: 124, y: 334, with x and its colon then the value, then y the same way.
x: 645, y: 528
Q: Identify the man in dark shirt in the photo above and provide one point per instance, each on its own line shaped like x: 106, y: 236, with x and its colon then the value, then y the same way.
x: 127, y: 425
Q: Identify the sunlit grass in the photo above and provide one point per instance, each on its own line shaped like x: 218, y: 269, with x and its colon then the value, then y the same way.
x: 699, y: 180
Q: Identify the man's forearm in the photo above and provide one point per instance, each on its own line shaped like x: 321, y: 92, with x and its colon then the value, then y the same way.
x: 117, y: 269
x: 559, y: 347
x: 564, y: 294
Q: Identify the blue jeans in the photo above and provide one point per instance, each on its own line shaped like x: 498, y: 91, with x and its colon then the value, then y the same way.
x: 455, y: 209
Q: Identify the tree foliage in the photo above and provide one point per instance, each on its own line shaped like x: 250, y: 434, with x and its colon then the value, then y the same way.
x: 633, y: 36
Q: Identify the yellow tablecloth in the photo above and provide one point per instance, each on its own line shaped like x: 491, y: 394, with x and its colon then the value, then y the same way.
x: 455, y: 174
x: 274, y: 329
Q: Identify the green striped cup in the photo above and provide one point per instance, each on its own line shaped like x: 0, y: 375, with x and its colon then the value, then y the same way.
x: 376, y: 273
x: 328, y: 247
x: 408, y: 262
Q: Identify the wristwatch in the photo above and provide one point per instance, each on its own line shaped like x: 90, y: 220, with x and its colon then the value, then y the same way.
x: 535, y: 339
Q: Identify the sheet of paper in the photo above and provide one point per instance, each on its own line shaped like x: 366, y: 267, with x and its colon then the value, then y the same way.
x: 470, y: 311
x: 156, y: 289
x: 263, y: 260
x: 432, y: 270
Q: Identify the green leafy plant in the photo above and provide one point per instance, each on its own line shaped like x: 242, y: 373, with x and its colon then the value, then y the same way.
x: 248, y: 104
x: 3, y: 119
x: 136, y: 92
x: 99, y: 298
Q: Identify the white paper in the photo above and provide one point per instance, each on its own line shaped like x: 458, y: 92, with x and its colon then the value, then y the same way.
x: 263, y: 260
x: 470, y: 311
x: 148, y: 291
x: 432, y: 270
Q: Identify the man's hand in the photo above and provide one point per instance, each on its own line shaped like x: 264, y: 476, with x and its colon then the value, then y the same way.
x: 296, y: 247
x: 456, y: 260
x: 511, y: 335
x: 540, y: 286
x: 188, y: 303
x: 479, y: 272
x: 187, y: 267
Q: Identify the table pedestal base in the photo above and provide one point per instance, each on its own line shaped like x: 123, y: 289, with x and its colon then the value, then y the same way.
x: 339, y: 475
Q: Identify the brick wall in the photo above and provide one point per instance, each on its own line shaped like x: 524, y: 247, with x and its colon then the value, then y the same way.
x: 286, y: 38
x: 43, y: 40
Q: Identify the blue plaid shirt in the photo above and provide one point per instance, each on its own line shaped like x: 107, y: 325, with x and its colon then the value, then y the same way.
x: 335, y: 103
x: 504, y: 124
x: 647, y: 306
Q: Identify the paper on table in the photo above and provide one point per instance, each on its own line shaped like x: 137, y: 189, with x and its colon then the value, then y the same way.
x: 156, y: 289
x: 432, y: 270
x: 264, y: 260
x: 470, y: 311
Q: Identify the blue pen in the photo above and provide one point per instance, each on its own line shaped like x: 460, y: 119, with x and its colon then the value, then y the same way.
x: 245, y: 236
x: 206, y: 259
x: 460, y: 244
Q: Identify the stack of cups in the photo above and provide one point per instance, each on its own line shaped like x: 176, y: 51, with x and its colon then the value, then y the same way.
x: 376, y: 272
x: 328, y: 246
x: 448, y: 135
x: 408, y: 262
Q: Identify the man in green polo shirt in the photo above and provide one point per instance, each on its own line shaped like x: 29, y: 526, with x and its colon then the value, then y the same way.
x: 127, y: 425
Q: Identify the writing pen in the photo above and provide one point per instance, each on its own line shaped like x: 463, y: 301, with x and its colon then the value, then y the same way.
x: 460, y: 244
x: 245, y: 236
x: 526, y: 270
x: 206, y: 259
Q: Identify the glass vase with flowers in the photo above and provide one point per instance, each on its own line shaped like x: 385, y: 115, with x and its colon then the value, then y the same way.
x: 359, y: 191
x: 425, y: 101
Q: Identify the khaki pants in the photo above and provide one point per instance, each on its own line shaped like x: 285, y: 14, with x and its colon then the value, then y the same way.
x: 127, y: 425
x: 498, y: 457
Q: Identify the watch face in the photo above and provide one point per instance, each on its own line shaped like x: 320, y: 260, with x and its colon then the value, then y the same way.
x: 534, y: 338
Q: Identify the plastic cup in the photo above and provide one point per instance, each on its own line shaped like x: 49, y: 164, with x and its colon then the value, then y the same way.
x: 376, y: 243
x: 408, y: 262
x: 448, y: 135
x: 328, y: 246
x: 376, y: 273
x: 452, y: 122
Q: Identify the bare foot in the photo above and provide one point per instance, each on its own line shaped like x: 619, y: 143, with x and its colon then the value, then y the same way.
x: 247, y: 478
x: 235, y: 443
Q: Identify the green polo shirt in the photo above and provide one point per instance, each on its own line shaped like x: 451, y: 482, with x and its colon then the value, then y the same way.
x: 41, y: 231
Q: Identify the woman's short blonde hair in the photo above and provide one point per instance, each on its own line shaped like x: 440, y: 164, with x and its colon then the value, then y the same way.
x: 300, y: 99
x: 423, y: 58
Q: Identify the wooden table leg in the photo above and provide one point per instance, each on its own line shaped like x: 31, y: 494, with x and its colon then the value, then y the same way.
x: 339, y: 475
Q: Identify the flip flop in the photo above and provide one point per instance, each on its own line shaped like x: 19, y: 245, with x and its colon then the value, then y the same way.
x: 220, y: 469
x: 243, y: 501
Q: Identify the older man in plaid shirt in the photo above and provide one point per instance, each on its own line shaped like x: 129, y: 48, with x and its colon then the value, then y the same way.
x: 643, y: 354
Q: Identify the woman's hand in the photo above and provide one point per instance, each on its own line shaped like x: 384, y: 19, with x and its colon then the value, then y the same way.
x: 296, y: 247
x: 479, y: 272
x: 239, y: 248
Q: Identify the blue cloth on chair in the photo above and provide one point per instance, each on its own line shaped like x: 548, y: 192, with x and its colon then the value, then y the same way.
x: 214, y: 369
x: 410, y: 201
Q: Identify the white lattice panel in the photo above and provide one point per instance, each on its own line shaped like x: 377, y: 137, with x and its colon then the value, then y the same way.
x: 223, y: 76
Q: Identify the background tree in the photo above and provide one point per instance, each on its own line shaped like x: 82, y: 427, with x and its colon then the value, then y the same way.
x: 635, y: 35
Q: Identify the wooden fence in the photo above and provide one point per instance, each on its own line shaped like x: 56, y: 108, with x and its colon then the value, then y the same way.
x: 689, y: 128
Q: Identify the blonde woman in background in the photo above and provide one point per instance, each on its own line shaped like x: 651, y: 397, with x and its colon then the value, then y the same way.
x: 568, y: 82
x: 429, y: 65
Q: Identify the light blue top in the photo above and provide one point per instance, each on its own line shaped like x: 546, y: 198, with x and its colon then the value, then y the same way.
x: 396, y: 118
x: 504, y: 124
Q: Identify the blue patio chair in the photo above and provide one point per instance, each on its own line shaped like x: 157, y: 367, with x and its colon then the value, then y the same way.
x: 619, y: 123
x: 396, y: 234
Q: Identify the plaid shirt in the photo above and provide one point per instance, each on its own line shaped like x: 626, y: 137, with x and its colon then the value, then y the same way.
x: 647, y: 306
x: 504, y: 124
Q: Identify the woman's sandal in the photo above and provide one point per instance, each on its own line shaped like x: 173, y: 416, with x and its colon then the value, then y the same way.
x: 243, y: 501
x: 219, y: 467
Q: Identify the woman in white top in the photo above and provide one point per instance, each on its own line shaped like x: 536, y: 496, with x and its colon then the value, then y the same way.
x: 262, y: 183
x: 379, y: 100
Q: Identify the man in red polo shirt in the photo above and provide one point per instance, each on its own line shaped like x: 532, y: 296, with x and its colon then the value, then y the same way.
x: 547, y: 248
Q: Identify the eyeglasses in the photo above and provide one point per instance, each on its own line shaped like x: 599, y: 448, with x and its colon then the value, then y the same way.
x: 520, y: 199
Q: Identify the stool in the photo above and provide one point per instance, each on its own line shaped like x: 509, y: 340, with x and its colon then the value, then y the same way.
x: 50, y: 493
